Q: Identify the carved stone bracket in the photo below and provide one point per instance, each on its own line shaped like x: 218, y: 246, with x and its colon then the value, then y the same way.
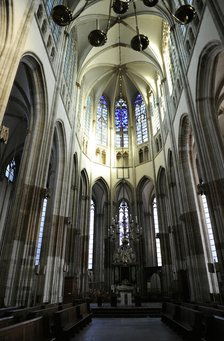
x: 4, y: 134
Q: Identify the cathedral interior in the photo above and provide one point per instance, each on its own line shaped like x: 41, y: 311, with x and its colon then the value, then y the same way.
x: 112, y: 153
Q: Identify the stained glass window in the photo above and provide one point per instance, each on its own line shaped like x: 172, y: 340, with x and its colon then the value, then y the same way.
x: 156, y: 227
x: 56, y: 30
x: 41, y: 231
x: 69, y: 64
x: 91, y: 235
x: 155, y: 115
x: 140, y: 120
x: 10, y: 171
x: 87, y: 115
x: 102, y: 122
x: 209, y: 229
x: 123, y: 220
x: 121, y: 123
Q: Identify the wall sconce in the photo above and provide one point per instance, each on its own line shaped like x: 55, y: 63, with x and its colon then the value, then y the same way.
x: 37, y: 269
x: 65, y: 267
x: 68, y: 221
x: 201, y: 190
x: 4, y: 134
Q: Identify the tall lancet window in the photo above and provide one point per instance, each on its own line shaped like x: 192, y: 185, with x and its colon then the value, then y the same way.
x: 87, y: 115
x: 123, y: 220
x: 56, y: 30
x: 69, y: 63
x: 121, y: 123
x: 91, y: 235
x: 156, y: 228
x: 102, y: 122
x: 140, y: 120
x: 10, y: 170
x: 41, y: 232
x: 209, y: 229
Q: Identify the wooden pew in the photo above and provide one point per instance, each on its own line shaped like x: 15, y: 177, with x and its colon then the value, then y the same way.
x: 6, y: 311
x: 65, y: 323
x: 48, y: 314
x: 22, y: 314
x: 189, y: 322
x: 210, y: 311
x: 168, y: 312
x: 214, y: 329
x: 6, y: 321
x: 85, y: 314
x: 69, y: 321
x: 33, y: 329
x: 185, y: 320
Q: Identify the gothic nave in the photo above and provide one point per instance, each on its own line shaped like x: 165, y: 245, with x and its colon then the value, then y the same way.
x: 111, y: 152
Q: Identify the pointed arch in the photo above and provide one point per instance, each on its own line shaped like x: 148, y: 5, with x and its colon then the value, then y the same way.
x: 26, y: 117
x: 6, y: 22
x: 100, y: 197
x: 145, y: 191
x: 100, y: 193
x: 123, y: 190
x: 194, y: 235
x: 210, y: 104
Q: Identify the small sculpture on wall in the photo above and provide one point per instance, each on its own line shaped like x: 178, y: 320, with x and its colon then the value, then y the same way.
x: 4, y: 134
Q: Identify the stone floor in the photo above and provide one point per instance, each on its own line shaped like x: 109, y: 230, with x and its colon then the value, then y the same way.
x: 127, y: 329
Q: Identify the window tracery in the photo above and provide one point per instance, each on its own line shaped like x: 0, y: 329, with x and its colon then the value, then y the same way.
x: 140, y: 120
x: 102, y: 122
x: 121, y: 123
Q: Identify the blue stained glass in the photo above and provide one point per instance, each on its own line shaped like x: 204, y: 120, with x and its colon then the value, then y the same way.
x: 10, y: 171
x: 102, y: 122
x: 140, y: 120
x: 56, y: 30
x: 121, y: 123
x: 123, y: 220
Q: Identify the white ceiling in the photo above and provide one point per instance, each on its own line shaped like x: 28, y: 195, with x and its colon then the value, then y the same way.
x: 99, y: 66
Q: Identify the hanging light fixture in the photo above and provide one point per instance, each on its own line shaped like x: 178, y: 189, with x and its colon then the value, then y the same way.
x: 63, y: 16
x: 185, y: 14
x: 150, y: 3
x: 97, y: 38
x: 120, y: 7
x: 139, y: 42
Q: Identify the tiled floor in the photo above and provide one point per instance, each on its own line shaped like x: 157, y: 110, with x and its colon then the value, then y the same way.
x: 127, y: 329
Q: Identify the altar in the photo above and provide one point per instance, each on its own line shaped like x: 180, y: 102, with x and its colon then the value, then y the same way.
x: 125, y: 294
x: 126, y: 298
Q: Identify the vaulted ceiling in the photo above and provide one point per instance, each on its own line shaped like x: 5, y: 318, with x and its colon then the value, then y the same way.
x: 101, y: 67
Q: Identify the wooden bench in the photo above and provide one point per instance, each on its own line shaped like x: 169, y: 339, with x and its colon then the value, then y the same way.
x: 219, y: 306
x: 48, y: 314
x: 189, y: 322
x: 185, y: 320
x: 214, y: 329
x: 6, y: 311
x: 69, y: 321
x: 19, y: 315
x: 6, y: 321
x: 64, y: 305
x: 168, y: 312
x: 29, y: 330
x: 65, y: 323
x: 210, y: 311
x: 22, y: 314
x: 85, y: 314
